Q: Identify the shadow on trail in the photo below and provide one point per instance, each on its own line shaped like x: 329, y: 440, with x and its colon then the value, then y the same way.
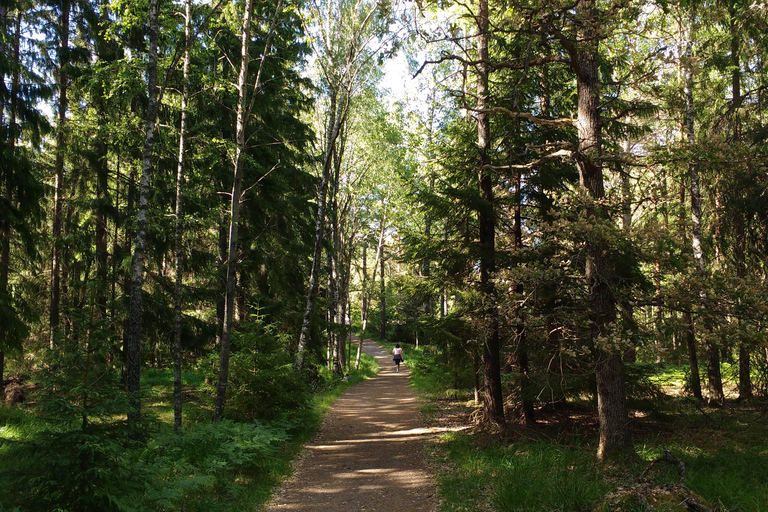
x: 368, y: 455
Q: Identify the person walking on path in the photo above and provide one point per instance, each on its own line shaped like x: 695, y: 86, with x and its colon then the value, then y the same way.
x: 397, y: 352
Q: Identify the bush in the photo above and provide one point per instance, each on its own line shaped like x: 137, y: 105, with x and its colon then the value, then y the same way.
x: 76, y: 461
x: 262, y: 384
x: 198, y: 465
x: 71, y: 470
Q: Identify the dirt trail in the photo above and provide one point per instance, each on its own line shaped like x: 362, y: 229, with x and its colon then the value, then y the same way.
x: 368, y: 455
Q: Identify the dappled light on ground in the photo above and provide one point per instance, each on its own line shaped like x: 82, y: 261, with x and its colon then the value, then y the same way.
x: 368, y: 455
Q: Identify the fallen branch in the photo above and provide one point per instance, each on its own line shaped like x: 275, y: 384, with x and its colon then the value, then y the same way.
x: 668, y: 457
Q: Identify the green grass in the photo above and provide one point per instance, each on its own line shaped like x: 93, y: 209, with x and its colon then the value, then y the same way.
x: 553, y: 468
x: 517, y: 476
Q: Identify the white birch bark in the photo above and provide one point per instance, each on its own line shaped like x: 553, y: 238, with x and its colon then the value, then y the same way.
x: 133, y: 346
x: 177, y: 399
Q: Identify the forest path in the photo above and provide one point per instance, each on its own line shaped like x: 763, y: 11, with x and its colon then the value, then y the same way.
x: 369, y: 452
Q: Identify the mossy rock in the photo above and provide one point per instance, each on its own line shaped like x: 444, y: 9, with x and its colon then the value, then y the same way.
x: 653, y: 498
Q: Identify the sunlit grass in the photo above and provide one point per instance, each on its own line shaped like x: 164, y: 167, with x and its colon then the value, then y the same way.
x: 517, y: 476
x: 725, y: 451
x: 480, y: 472
x: 17, y: 423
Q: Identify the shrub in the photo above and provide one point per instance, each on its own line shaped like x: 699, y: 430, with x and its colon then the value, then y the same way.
x: 262, y: 384
x: 70, y: 470
x: 187, y: 468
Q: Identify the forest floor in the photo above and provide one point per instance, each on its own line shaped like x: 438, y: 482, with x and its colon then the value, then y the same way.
x: 369, y: 453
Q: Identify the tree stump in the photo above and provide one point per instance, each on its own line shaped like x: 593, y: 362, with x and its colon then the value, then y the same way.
x: 14, y: 393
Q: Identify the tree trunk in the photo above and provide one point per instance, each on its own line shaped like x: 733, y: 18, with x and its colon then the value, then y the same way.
x: 241, y: 302
x: 5, y: 244
x: 105, y: 54
x: 429, y: 302
x: 745, y: 370
x: 334, y: 264
x: 221, y: 273
x: 690, y: 328
x: 234, y: 212
x: 382, y: 300
x: 338, y: 109
x: 177, y: 296
x: 130, y: 194
x: 693, y: 359
x: 344, y: 306
x: 58, y: 185
x: 332, y: 296
x: 476, y: 373
x: 493, y: 402
x: 133, y: 345
x: 4, y: 49
x: 363, y: 307
x: 367, y: 289
x: 714, y: 378
x: 735, y: 61
x: 627, y: 311
x: 526, y: 394
x: 102, y: 194
x: 611, y: 400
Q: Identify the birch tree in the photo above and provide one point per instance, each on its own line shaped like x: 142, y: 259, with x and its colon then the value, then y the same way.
x: 346, y: 34
x: 179, y: 213
x: 133, y: 342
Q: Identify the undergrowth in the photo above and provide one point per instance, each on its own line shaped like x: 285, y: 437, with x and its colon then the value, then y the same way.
x: 70, y: 465
x: 553, y: 468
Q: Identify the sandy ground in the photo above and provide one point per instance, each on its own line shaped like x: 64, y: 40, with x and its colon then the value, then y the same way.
x: 368, y: 454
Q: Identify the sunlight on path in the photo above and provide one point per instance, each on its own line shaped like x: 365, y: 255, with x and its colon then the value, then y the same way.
x: 368, y: 455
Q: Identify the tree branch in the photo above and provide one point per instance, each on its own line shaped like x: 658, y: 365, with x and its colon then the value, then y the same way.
x: 564, y: 154
x: 525, y: 64
x: 556, y: 123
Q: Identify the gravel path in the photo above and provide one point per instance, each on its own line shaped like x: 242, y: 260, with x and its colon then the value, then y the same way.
x: 368, y: 455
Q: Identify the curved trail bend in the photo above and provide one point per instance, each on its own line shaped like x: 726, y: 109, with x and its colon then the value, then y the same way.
x: 368, y: 455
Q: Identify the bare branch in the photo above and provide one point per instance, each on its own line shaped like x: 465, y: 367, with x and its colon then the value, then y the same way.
x: 564, y: 154
x: 525, y: 64
x: 556, y: 123
x: 445, y: 58
x: 668, y: 457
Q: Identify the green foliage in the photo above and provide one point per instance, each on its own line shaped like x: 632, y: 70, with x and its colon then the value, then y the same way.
x: 260, y: 372
x: 78, y: 380
x: 70, y: 470
x: 740, y: 479
x: 518, y: 476
x: 163, y: 377
x: 724, y: 451
x: 196, y: 468
x: 641, y: 385
x: 51, y: 462
x: 76, y: 462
